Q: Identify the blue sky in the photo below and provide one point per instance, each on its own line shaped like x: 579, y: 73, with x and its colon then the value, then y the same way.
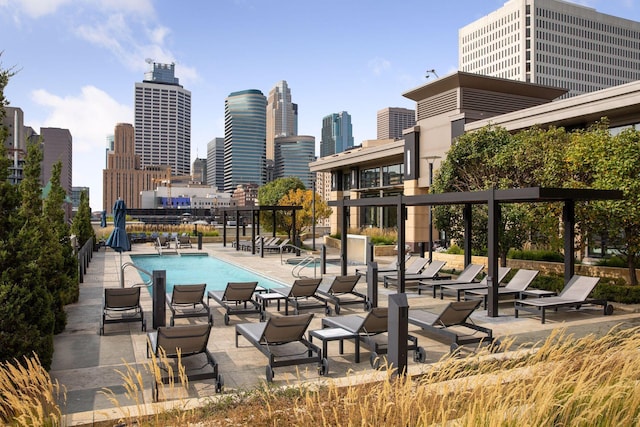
x: 78, y: 60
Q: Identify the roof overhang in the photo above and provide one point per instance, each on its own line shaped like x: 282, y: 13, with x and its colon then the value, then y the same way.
x: 360, y: 156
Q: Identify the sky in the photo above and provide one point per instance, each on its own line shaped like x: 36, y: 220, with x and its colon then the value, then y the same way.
x: 77, y: 61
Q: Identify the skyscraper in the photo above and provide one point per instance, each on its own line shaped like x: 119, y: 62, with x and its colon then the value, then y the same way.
x: 163, y: 120
x: 199, y: 171
x: 337, y: 134
x: 554, y: 43
x: 57, y: 147
x: 393, y: 120
x: 293, y: 155
x: 215, y: 163
x: 282, y: 116
x: 244, y: 138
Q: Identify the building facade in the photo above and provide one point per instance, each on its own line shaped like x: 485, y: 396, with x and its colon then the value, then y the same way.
x: 199, y: 171
x: 124, y: 178
x: 57, y: 146
x: 337, y: 134
x: 244, y: 139
x: 393, y: 120
x: 553, y: 43
x: 293, y: 155
x: 282, y: 116
x: 163, y: 120
x: 15, y: 143
x: 215, y: 163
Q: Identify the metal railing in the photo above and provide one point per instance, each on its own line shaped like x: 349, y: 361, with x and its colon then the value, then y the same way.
x: 304, y: 263
x: 142, y: 270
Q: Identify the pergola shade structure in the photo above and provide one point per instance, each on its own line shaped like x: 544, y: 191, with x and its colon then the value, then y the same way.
x: 493, y: 198
x: 255, y: 221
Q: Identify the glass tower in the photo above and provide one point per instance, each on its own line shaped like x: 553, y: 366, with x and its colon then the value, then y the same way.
x: 337, y: 134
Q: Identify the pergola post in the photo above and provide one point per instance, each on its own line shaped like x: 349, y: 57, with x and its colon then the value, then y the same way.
x: 492, y: 243
x: 343, y: 238
x: 568, y: 220
x: 467, y: 219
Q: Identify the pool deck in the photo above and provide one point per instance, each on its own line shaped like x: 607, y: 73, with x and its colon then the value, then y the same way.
x: 87, y: 364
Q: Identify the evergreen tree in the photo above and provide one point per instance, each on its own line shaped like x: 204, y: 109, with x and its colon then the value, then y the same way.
x: 81, y: 225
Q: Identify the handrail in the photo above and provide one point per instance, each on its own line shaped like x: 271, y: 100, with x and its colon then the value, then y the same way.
x: 304, y: 263
x: 289, y: 245
x: 142, y: 270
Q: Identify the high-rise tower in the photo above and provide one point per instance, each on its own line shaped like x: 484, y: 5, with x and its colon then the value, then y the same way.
x: 215, y: 163
x: 554, y: 43
x: 163, y: 120
x: 393, y: 120
x: 282, y: 116
x: 244, y: 138
x: 337, y: 134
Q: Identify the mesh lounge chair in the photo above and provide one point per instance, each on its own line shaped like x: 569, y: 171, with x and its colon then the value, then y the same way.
x: 276, y: 247
x: 385, y: 268
x: 518, y: 283
x: 186, y: 341
x: 450, y: 323
x: 299, y: 294
x: 237, y: 298
x: 282, y: 340
x: 183, y: 241
x: 414, y: 268
x: 188, y: 301
x: 468, y: 275
x: 341, y: 291
x: 575, y: 294
x: 460, y: 288
x: 372, y: 331
x: 122, y: 305
x: 430, y: 272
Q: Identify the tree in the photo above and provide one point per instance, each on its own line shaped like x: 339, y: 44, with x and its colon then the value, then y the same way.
x: 270, y: 195
x: 304, y: 216
x: 81, y: 225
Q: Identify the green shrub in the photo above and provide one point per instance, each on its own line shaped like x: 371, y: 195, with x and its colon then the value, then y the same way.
x: 539, y: 255
x: 615, y: 261
x: 455, y: 250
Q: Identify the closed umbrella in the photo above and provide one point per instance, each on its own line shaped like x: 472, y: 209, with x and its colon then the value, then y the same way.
x: 118, y: 240
x: 103, y: 219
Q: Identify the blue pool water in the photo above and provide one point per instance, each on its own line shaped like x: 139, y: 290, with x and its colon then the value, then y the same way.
x: 186, y: 269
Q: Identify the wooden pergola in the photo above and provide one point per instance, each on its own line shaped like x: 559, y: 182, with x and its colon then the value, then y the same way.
x: 493, y: 199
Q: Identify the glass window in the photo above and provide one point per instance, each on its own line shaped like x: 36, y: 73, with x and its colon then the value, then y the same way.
x: 393, y: 174
x: 370, y: 178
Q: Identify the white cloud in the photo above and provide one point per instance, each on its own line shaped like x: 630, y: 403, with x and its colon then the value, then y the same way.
x: 90, y: 117
x: 379, y: 65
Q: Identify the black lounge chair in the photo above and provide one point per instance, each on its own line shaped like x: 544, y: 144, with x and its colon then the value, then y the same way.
x: 237, y: 298
x: 301, y: 295
x: 467, y: 275
x: 282, y: 340
x: 518, y: 283
x: 460, y: 288
x: 188, y: 301
x: 340, y: 290
x: 574, y: 294
x: 372, y: 331
x: 184, y: 341
x: 122, y: 305
x: 429, y: 272
x: 449, y: 324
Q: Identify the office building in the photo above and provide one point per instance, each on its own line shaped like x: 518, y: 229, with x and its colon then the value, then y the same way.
x: 215, y: 163
x: 199, y: 171
x: 15, y: 142
x: 57, y: 146
x: 163, y: 120
x: 552, y: 43
x: 282, y: 116
x: 293, y: 155
x: 337, y: 134
x: 244, y: 139
x: 124, y: 177
x: 393, y: 120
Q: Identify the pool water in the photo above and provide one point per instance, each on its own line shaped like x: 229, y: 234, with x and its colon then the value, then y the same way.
x: 191, y: 269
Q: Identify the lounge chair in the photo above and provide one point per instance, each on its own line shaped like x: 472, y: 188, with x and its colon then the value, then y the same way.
x: 574, y: 294
x: 282, y: 340
x: 385, y: 268
x: 459, y: 288
x: 184, y: 341
x: 299, y: 294
x: 372, y: 332
x: 237, y: 298
x: 467, y: 275
x: 188, y: 301
x: 414, y: 267
x: 122, y: 305
x: 183, y: 241
x: 430, y: 272
x: 449, y: 324
x: 163, y: 242
x: 337, y: 288
x: 518, y: 283
x: 276, y: 247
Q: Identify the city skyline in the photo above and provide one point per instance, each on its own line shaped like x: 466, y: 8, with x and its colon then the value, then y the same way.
x: 78, y: 60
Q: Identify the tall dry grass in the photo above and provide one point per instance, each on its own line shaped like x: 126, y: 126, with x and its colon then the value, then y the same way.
x: 28, y: 396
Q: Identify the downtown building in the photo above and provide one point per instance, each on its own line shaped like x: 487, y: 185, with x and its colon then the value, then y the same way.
x: 337, y: 134
x: 215, y: 163
x: 393, y: 120
x: 282, y: 116
x: 163, y: 120
x: 552, y: 43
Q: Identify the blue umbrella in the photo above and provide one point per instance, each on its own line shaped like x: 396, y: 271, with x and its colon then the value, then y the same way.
x: 118, y: 240
x: 103, y: 219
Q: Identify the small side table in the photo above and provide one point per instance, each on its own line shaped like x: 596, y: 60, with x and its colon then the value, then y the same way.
x: 335, y: 334
x: 537, y: 293
x: 264, y: 299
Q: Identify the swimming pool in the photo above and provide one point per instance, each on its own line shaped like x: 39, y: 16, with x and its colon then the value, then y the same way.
x: 185, y: 269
